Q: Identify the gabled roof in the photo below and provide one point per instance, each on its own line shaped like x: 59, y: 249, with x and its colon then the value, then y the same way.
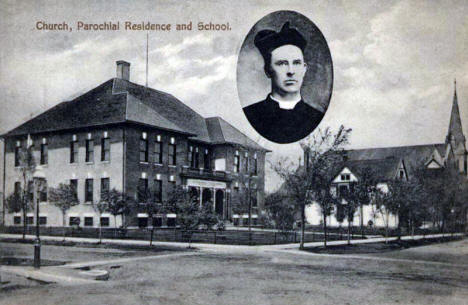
x: 380, y: 170
x: 414, y: 156
x: 221, y: 132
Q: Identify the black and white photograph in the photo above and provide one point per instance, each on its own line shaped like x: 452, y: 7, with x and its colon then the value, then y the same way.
x: 233, y: 152
x: 291, y: 59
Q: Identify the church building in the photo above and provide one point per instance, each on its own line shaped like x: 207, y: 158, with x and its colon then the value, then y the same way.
x: 388, y: 163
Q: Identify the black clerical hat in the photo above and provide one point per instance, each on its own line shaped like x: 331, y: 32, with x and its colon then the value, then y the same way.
x: 268, y: 40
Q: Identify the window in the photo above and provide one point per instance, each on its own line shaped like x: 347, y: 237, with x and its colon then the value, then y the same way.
x: 88, y: 221
x: 246, y: 164
x: 236, y: 162
x: 345, y: 177
x: 74, y: 151
x: 30, y: 191
x: 171, y: 222
x: 73, y: 221
x: 17, y: 220
x: 255, y: 168
x: 17, y: 155
x: 193, y: 156
x: 158, y: 190
x: 172, y: 154
x: 105, y: 149
x: 254, y: 198
x: 343, y: 190
x: 89, y: 190
x: 142, y: 189
x: 104, y: 221
x: 143, y: 148
x: 42, y: 220
x: 44, y: 154
x: 17, y: 188
x: 402, y: 174
x: 158, y: 150
x: 89, y: 151
x: 105, y: 185
x: 30, y: 220
x: 157, y: 221
x: 43, y: 194
x: 207, y: 159
x: 194, y: 195
x: 190, y: 155
x: 142, y: 222
x: 172, y: 182
x: 74, y: 185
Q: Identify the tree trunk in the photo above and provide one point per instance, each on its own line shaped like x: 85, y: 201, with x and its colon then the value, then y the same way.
x: 399, y: 227
x: 386, y: 232
x: 24, y: 222
x: 64, y: 223
x: 362, y: 220
x: 100, y: 231
x: 349, y: 232
x: 115, y: 226
x: 301, y: 246
x: 325, y: 230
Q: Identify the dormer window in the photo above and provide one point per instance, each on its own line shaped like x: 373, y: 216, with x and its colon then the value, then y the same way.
x: 345, y: 177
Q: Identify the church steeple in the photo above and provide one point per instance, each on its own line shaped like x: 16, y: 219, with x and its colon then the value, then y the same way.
x: 455, y: 131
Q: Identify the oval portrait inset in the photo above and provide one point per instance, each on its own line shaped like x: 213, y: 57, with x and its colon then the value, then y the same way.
x: 284, y: 76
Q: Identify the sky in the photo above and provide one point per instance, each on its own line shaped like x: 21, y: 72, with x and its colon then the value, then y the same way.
x: 394, y: 61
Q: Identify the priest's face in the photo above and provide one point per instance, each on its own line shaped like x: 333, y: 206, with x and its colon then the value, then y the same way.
x: 287, y: 69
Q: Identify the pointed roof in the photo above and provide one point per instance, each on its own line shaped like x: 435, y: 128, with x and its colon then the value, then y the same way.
x: 380, y: 169
x: 455, y: 126
x: 414, y: 156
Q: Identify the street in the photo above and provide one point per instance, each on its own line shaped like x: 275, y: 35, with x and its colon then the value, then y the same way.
x: 253, y: 275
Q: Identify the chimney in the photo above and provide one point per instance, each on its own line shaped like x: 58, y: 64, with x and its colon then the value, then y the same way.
x: 123, y: 70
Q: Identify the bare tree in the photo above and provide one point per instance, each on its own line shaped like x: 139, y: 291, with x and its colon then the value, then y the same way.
x: 27, y: 167
x: 117, y: 204
x: 280, y: 210
x: 150, y: 205
x: 187, y: 209
x: 324, y: 154
x: 64, y: 197
x: 383, y: 207
x: 100, y: 207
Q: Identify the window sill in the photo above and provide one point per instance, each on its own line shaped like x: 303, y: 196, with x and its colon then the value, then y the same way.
x: 89, y: 163
x: 88, y: 202
x: 144, y: 162
x: 43, y: 203
x: 45, y: 165
x: 158, y: 164
x: 73, y: 164
x: 105, y: 162
x: 173, y: 166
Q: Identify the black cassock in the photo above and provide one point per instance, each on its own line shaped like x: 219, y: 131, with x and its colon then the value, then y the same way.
x: 282, y: 125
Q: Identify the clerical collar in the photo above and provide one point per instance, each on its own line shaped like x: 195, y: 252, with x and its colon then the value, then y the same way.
x: 286, y: 105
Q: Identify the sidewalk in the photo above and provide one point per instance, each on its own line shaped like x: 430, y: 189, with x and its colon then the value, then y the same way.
x: 50, y: 275
x: 205, y: 246
x: 360, y: 241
